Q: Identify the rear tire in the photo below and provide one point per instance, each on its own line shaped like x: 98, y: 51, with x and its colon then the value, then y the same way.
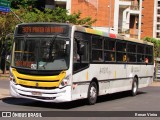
x: 134, y: 87
x: 92, y: 93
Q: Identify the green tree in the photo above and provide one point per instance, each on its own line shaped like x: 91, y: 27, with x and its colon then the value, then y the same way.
x: 30, y: 14
x: 9, y: 21
x: 16, y: 4
x: 156, y: 43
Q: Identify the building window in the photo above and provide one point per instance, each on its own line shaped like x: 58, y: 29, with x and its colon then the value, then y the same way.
x: 158, y: 35
x: 158, y: 19
x: 158, y: 27
x: 158, y: 3
x: 158, y: 11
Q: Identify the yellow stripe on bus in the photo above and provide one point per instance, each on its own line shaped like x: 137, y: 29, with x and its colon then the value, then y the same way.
x: 31, y: 80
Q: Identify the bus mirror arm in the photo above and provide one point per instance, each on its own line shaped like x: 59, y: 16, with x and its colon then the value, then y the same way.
x: 80, y: 50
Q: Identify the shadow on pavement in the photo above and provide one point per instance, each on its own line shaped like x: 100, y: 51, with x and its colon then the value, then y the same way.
x: 66, y: 105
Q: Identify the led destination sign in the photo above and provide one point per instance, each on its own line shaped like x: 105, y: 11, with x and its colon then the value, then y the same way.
x: 41, y: 29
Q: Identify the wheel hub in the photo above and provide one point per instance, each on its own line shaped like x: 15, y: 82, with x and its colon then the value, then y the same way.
x: 93, y: 92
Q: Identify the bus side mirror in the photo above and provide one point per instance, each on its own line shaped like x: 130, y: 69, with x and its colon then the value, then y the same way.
x: 81, y: 49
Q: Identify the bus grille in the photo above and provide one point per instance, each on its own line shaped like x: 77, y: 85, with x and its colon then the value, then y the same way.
x: 38, y: 87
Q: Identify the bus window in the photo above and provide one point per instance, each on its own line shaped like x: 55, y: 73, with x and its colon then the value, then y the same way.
x: 121, y: 46
x: 140, y: 49
x: 97, y: 55
x: 140, y: 53
x: 80, y: 51
x: 109, y: 44
x: 109, y: 56
x: 131, y: 48
x: 131, y: 57
x: 97, y: 48
x: 131, y: 52
x: 124, y: 58
x: 121, y: 51
x: 97, y: 42
x: 149, y: 54
x: 140, y: 58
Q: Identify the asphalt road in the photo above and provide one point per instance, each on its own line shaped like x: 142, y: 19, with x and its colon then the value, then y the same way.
x: 148, y: 99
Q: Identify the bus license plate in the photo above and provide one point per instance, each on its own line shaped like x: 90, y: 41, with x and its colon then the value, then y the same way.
x: 36, y: 93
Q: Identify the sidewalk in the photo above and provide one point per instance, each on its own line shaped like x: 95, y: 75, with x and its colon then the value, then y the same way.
x: 4, y: 92
x: 155, y: 83
x: 4, y: 76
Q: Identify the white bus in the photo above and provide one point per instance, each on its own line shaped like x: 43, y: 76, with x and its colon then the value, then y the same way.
x: 55, y: 62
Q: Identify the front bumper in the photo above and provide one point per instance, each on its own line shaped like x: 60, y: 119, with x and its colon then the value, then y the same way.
x: 52, y: 95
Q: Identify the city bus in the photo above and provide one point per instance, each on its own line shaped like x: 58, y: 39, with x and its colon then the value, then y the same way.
x: 62, y: 62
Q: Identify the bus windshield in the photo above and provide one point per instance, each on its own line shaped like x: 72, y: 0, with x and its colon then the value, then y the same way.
x: 41, y: 53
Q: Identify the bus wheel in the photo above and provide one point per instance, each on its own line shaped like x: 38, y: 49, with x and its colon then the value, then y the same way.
x: 134, y: 87
x: 92, y: 93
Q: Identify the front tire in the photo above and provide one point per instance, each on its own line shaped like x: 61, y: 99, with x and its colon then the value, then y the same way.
x: 92, y: 93
x: 134, y: 87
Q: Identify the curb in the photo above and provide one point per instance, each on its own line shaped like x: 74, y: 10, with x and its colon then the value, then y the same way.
x: 4, y: 76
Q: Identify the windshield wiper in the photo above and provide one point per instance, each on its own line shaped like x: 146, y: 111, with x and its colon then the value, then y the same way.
x: 23, y: 49
x: 52, y: 41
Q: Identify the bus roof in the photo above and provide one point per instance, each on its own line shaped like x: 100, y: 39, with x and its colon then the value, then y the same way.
x: 96, y: 32
x: 111, y: 35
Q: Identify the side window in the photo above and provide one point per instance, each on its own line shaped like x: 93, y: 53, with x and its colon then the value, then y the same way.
x: 131, y: 52
x: 140, y: 53
x: 85, y: 50
x: 121, y: 46
x: 149, y: 54
x: 109, y: 49
x: 80, y: 51
x: 97, y: 48
x: 121, y: 51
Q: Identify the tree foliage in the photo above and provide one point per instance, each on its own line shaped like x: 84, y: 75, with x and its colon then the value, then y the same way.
x: 156, y: 43
x: 29, y: 11
x: 16, y: 4
x: 30, y: 14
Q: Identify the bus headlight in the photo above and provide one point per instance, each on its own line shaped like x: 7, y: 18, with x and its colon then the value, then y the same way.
x: 66, y: 81
x: 11, y: 76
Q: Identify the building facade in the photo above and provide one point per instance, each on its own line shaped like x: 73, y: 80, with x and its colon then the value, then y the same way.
x: 156, y: 25
x: 131, y: 18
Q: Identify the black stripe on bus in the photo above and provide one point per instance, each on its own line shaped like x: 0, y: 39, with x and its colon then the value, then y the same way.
x: 38, y: 80
x: 77, y: 71
x: 82, y: 82
x: 125, y: 63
